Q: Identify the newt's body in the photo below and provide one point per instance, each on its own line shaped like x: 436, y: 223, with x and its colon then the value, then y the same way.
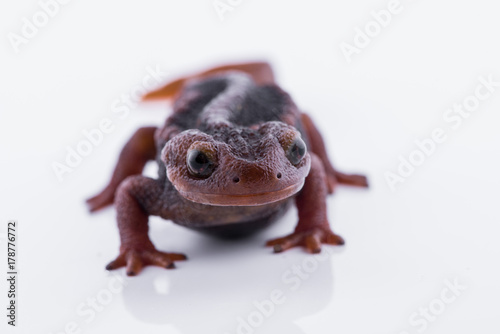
x: 232, y: 157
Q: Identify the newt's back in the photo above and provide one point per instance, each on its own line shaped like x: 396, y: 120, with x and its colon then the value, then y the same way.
x: 230, y: 99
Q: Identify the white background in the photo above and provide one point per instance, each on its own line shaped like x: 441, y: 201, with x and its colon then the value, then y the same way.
x: 441, y: 224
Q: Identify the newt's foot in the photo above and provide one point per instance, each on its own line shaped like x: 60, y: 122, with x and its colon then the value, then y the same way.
x: 101, y: 200
x: 311, y: 239
x: 135, y: 260
x: 335, y: 178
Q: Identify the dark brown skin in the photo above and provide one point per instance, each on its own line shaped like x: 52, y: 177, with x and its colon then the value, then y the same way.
x: 233, y: 155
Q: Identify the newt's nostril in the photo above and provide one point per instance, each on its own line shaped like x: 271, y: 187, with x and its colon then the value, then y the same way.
x: 278, y: 175
x: 236, y: 179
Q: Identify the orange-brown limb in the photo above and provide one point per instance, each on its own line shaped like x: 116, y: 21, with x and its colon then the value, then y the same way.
x: 133, y: 157
x: 333, y: 177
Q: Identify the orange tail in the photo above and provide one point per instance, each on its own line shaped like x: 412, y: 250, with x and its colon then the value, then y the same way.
x: 261, y: 72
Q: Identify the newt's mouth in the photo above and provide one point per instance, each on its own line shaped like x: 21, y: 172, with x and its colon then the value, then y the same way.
x: 242, y: 200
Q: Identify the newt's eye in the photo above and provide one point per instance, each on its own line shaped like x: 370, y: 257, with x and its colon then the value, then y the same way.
x: 296, y: 151
x: 199, y: 163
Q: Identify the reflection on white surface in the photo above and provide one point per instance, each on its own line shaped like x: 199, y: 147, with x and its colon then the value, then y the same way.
x: 233, y: 287
x: 161, y: 285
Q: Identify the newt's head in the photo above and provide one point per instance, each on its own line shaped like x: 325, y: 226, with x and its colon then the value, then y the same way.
x: 235, y: 166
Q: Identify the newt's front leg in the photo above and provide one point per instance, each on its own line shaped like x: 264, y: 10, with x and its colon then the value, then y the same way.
x: 136, y: 199
x: 313, y: 228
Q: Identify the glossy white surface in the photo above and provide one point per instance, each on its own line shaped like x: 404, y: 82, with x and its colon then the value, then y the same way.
x: 404, y: 248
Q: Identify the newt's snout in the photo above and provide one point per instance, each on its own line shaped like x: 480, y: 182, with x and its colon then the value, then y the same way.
x: 247, y: 175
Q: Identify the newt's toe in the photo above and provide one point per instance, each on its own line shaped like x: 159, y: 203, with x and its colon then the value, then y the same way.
x: 100, y: 201
x: 352, y: 179
x: 135, y: 260
x: 311, y: 240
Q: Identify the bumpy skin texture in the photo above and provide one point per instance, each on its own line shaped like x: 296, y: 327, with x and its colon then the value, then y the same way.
x: 252, y: 166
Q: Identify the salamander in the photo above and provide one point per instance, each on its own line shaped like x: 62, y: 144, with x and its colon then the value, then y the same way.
x: 234, y: 154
